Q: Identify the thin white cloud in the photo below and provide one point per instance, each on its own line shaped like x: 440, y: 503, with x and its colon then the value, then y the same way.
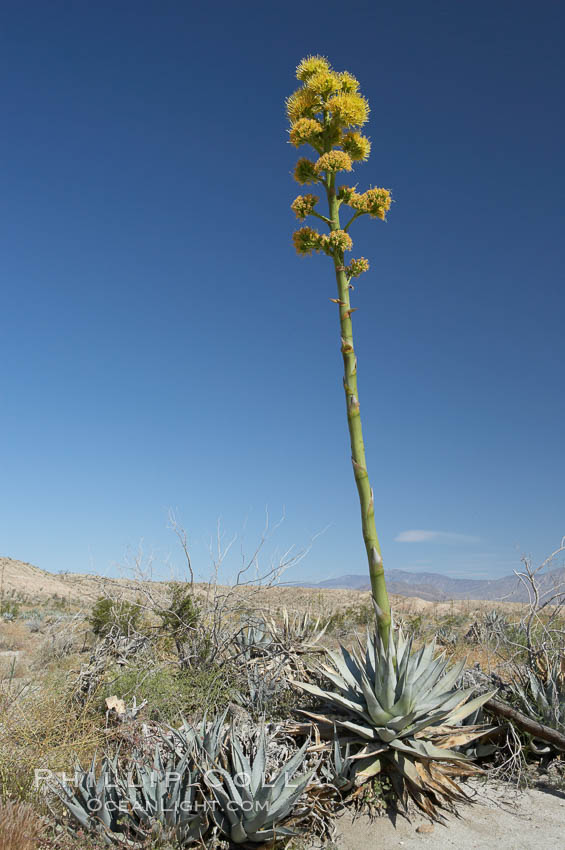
x: 418, y: 535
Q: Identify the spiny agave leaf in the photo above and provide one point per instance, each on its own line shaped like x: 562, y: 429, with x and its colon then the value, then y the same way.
x: 388, y: 683
x: 259, y: 763
x: 224, y: 799
x: 424, y: 680
x: 368, y: 751
x: 446, y: 702
x: 367, y: 772
x: 337, y: 699
x: 341, y: 662
x: 406, y: 767
x: 398, y: 724
x: 374, y: 709
x: 403, y: 695
x: 285, y: 775
x: 265, y: 835
x: 77, y: 812
x: 466, y: 709
x: 282, y: 808
x: 238, y: 834
x: 337, y: 680
x: 364, y: 731
x: 461, y: 738
x: 423, y: 749
x: 241, y: 767
x: 370, y: 656
x: 449, y: 679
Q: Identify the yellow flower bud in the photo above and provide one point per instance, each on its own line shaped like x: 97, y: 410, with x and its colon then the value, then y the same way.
x: 303, y: 205
x: 333, y: 161
x: 337, y: 241
x: 311, y: 65
x: 357, y: 267
x: 304, y: 131
x: 357, y: 146
x: 324, y: 83
x: 351, y: 110
x: 375, y: 202
x: 302, y: 103
x: 348, y: 82
x: 305, y: 172
x: 307, y: 240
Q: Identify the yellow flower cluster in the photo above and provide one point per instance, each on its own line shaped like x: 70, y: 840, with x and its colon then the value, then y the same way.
x: 324, y: 83
x: 311, y: 65
x: 357, y: 267
x: 305, y: 172
x: 333, y: 161
x: 337, y: 241
x: 307, y: 240
x: 305, y: 130
x: 357, y: 146
x: 349, y: 109
x: 348, y: 82
x: 375, y: 202
x: 303, y: 205
x: 303, y: 103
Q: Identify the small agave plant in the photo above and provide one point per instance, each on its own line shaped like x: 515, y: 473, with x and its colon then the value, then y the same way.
x: 299, y: 632
x: 166, y: 800
x: 400, y: 709
x: 543, y: 699
x: 251, y: 807
x: 144, y: 800
x: 94, y: 801
x: 254, y: 639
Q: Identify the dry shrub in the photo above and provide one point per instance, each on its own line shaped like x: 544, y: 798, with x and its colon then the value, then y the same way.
x: 20, y: 827
x: 41, y: 728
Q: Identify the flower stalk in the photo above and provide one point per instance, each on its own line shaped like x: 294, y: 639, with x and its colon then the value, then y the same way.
x: 327, y: 112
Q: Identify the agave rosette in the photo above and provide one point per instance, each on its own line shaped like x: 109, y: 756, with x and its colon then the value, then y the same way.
x: 401, y: 707
x: 251, y: 808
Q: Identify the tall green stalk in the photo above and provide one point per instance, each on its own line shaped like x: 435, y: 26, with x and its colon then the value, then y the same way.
x: 325, y: 113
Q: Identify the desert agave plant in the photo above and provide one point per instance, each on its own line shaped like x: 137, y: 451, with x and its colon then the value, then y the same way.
x: 400, y: 709
x: 299, y: 632
x: 542, y: 698
x: 254, y: 639
x: 166, y: 799
x: 146, y: 799
x: 338, y: 769
x: 94, y: 802
x: 205, y: 740
x: 446, y: 637
x: 495, y: 624
x: 253, y: 808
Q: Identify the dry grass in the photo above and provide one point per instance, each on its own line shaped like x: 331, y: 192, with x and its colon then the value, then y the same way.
x: 20, y: 827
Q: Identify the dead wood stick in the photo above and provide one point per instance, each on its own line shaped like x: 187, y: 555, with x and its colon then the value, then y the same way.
x: 552, y: 736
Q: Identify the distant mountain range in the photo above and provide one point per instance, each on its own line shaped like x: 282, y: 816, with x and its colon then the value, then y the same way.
x: 439, y: 588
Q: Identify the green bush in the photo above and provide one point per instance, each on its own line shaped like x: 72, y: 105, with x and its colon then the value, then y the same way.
x: 173, y: 694
x: 182, y: 614
x: 9, y: 608
x: 351, y: 618
x: 110, y: 613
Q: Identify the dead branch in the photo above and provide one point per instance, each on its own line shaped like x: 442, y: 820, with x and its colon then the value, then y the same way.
x: 532, y: 727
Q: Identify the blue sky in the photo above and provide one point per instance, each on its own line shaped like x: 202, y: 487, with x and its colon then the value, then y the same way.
x: 163, y: 346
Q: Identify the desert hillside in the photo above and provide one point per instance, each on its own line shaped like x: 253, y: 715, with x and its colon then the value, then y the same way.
x: 32, y: 584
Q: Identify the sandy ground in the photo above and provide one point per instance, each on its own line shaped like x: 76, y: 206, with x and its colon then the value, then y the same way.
x: 499, y: 818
